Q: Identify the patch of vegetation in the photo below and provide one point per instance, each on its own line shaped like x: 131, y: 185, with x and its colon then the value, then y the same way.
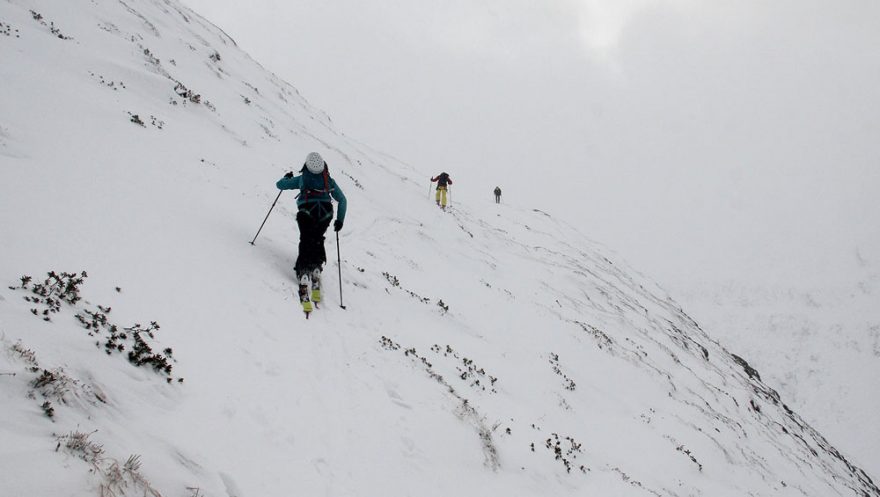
x: 388, y: 344
x: 684, y: 450
x: 755, y: 406
x: 186, y: 94
x: 133, y: 338
x: 444, y: 308
x: 61, y: 288
x: 142, y: 354
x: 53, y: 387
x: 686, y: 340
x: 468, y: 371
x: 687, y: 452
x: 108, y: 27
x: 602, y: 338
x: 568, y: 383
x: 51, y: 25
x: 7, y: 29
x: 353, y: 180
x: 268, y: 132
x: 48, y: 409
x: 78, y: 445
x: 56, y: 289
x: 152, y: 59
x: 252, y: 87
x: 116, y: 477
x: 565, y: 450
x: 109, y: 84
x: 155, y: 121
x: 119, y: 477
x: 27, y: 355
x: 633, y: 482
x: 749, y: 370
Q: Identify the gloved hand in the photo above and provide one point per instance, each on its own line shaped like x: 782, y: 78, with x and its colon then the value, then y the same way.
x: 289, y: 174
x: 337, y: 225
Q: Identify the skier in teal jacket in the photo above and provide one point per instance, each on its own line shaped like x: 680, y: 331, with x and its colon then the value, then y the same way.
x: 314, y: 213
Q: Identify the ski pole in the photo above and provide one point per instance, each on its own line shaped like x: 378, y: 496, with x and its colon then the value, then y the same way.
x: 339, y: 263
x: 267, y: 217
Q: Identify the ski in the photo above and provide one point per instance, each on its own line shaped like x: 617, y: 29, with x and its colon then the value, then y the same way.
x: 310, y: 298
x: 304, y: 298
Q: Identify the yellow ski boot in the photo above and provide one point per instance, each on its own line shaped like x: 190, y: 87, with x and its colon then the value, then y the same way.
x: 304, y: 297
x: 316, y: 286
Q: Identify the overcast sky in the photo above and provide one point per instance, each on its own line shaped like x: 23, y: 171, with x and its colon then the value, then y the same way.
x: 701, y: 140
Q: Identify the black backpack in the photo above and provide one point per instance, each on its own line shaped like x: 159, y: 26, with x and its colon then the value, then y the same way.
x: 443, y: 179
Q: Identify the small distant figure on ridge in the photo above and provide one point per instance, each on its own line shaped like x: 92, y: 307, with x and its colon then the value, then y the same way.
x: 497, y: 194
x: 443, y: 181
x: 315, y: 211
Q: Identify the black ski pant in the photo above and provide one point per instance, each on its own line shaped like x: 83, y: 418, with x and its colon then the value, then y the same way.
x: 311, y: 242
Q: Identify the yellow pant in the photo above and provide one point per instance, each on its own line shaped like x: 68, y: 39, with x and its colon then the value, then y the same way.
x: 441, y: 196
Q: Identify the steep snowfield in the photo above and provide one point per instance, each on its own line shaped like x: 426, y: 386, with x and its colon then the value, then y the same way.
x: 821, y: 347
x: 487, y: 350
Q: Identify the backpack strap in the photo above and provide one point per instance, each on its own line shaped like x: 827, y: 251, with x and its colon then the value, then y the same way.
x: 305, y: 193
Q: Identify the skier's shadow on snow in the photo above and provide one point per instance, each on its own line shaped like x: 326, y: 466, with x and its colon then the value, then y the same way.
x: 283, y: 254
x: 282, y: 257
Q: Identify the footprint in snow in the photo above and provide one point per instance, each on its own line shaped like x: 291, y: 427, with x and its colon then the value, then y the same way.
x: 395, y: 398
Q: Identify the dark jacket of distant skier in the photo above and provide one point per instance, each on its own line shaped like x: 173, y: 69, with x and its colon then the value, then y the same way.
x: 314, y: 213
x: 497, y: 193
x: 443, y: 181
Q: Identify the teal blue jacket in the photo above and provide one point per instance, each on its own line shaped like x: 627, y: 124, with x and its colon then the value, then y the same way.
x: 314, y: 193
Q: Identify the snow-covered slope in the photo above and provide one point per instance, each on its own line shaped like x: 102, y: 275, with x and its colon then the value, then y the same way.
x: 487, y: 350
x: 820, y: 346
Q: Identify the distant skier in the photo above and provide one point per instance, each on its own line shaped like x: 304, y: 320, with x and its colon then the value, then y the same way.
x: 497, y: 194
x: 443, y: 181
x: 315, y: 211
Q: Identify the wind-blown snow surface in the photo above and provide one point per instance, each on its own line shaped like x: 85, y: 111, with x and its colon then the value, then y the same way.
x: 820, y: 347
x: 488, y: 350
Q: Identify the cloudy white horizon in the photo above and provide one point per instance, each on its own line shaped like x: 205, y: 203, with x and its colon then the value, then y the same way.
x: 702, y: 141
